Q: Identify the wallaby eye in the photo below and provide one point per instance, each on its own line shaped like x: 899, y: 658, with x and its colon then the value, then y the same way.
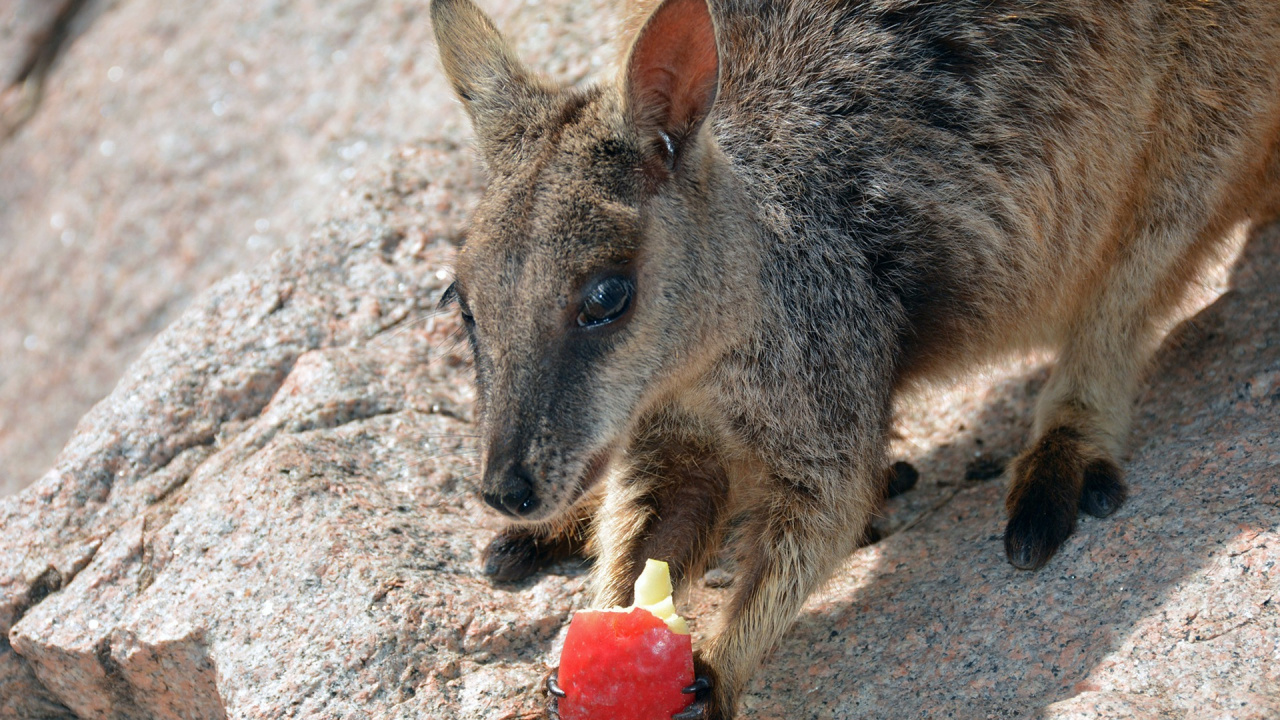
x: 606, y: 301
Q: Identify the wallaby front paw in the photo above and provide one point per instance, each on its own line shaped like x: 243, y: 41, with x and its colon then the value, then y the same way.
x: 511, y: 555
x: 706, y: 703
x: 518, y: 552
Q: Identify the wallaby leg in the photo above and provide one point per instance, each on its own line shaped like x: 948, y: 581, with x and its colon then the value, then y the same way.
x: 519, y: 551
x: 668, y: 504
x: 793, y: 539
x: 1083, y: 414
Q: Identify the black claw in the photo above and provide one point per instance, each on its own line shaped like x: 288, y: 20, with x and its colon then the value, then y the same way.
x: 699, y: 685
x: 1032, y: 537
x: 1030, y: 541
x: 555, y: 693
x: 1023, y: 557
x: 553, y: 686
x: 698, y: 710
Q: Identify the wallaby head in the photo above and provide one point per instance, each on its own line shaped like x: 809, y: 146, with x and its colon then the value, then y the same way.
x: 591, y: 275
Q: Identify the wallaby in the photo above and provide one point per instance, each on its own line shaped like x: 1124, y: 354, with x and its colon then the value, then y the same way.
x: 692, y: 294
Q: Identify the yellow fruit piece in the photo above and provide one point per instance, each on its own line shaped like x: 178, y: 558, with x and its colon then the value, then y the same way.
x: 653, y: 593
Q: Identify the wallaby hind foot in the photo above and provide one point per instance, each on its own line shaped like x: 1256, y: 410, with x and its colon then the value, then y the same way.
x: 1053, y: 481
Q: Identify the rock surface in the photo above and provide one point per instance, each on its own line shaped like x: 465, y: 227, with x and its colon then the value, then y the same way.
x: 178, y: 142
x: 274, y: 515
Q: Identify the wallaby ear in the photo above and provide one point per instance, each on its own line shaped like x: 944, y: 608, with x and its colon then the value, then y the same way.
x: 672, y: 75
x: 481, y: 67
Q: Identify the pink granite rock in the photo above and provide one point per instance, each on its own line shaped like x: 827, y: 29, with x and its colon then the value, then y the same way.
x: 179, y: 142
x: 274, y: 515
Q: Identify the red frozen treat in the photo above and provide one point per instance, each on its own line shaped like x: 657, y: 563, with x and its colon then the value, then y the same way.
x: 628, y: 663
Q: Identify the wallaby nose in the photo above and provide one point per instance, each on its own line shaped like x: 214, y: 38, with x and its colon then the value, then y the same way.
x: 513, y: 495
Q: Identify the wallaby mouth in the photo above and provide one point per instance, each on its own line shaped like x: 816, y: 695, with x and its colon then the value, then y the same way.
x: 513, y: 492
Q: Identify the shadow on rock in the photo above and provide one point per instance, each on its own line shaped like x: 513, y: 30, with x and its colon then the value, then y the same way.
x: 1166, y: 607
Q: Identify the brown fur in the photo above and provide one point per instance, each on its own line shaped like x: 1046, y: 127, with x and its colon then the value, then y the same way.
x: 814, y: 205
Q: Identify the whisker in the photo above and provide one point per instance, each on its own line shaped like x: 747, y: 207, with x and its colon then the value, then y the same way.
x: 448, y: 346
x: 403, y: 326
x: 450, y: 436
x: 459, y: 453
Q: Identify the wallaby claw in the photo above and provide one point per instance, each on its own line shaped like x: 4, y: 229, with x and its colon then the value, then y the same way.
x: 553, y: 686
x: 554, y: 693
x: 699, y: 685
x: 696, y: 711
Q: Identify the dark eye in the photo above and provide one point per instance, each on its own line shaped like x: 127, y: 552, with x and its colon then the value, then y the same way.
x: 606, y: 301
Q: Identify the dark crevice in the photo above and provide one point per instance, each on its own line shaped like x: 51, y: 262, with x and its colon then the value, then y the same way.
x: 356, y: 412
x: 50, y: 581
x: 251, y: 406
x: 47, y: 583
x: 123, y: 702
x: 45, y: 48
x: 148, y: 565
x: 203, y: 441
x: 26, y: 89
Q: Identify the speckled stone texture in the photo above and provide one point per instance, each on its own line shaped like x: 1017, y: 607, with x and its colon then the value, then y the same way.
x: 274, y: 514
x: 177, y: 142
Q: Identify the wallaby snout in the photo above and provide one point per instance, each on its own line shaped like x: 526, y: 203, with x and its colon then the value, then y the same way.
x: 532, y: 475
x: 542, y: 431
x: 508, y: 488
